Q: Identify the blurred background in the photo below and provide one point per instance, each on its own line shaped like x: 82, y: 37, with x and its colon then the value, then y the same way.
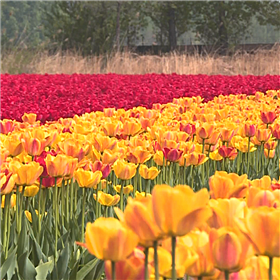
x: 133, y: 37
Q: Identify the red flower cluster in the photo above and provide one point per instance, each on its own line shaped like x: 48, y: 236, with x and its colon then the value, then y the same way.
x: 55, y: 96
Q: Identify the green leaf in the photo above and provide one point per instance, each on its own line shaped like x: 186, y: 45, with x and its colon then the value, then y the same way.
x: 8, y: 263
x: 87, y: 269
x: 23, y: 241
x: 43, y: 269
x: 26, y: 268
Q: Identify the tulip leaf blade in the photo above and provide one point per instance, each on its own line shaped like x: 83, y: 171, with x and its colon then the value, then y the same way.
x: 26, y: 267
x: 87, y: 268
x: 43, y: 269
x: 8, y: 264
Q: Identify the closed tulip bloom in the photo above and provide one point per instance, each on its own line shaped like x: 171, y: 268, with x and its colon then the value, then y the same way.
x: 250, y: 129
x: 230, y: 249
x: 33, y: 146
x: 172, y: 154
x: 101, y: 143
x: 268, y: 117
x: 148, y: 173
x: 138, y: 216
x: 13, y: 200
x: 99, y: 166
x: 107, y: 199
x: 7, y: 126
x: 227, y: 134
x: 263, y: 135
x: 87, y: 179
x: 60, y: 165
x: 141, y: 195
x: 7, y: 182
x: 27, y: 174
x: 205, y: 131
x: 109, y: 239
x: 270, y: 145
x: 241, y: 144
x: 109, y: 112
x: 132, y: 268
x: 124, y: 170
x: 184, y: 216
x: 158, y: 158
x: 276, y: 131
x: 262, y: 226
x: 29, y: 215
x: 226, y: 185
x: 13, y: 145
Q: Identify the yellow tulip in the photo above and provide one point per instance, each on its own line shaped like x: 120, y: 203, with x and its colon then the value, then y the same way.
x: 173, y: 215
x: 226, y: 185
x: 29, y: 118
x: 262, y: 227
x: 31, y: 191
x: 13, y: 201
x: 87, y: 179
x: 13, y: 145
x: 148, y: 173
x: 29, y: 215
x: 109, y: 239
x: 126, y: 189
x: 124, y: 170
x: 141, y: 195
x: 264, y: 183
x: 27, y: 174
x: 107, y: 199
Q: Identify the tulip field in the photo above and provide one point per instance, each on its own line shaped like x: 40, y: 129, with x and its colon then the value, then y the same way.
x: 137, y: 177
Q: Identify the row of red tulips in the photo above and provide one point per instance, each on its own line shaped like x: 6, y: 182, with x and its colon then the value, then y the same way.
x: 55, y: 96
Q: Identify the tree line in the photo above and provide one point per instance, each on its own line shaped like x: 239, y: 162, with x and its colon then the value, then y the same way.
x: 96, y: 27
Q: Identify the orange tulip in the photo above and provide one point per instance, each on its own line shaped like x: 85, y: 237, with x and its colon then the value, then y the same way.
x: 124, y: 170
x: 184, y: 216
x: 225, y: 211
x: 138, y: 155
x: 226, y: 185
x: 60, y: 165
x: 227, y: 134
x: 13, y: 145
x: 263, y: 135
x: 262, y: 226
x: 250, y: 129
x: 29, y: 118
x: 6, y: 126
x: 269, y: 153
x: 228, y: 152
x: 108, y: 239
x: 257, y: 197
x: 264, y: 183
x: 230, y: 249
x: 109, y: 157
x: 131, y: 128
x: 138, y: 216
x: 112, y: 128
x: 205, y: 131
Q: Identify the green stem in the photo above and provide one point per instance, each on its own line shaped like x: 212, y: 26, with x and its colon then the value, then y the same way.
x: 121, y: 197
x: 226, y: 275
x: 67, y: 203
x: 191, y: 173
x: 173, y: 240
x: 76, y: 198
x: 248, y: 156
x: 96, y: 203
x: 146, y: 263
x: 199, y: 278
x: 20, y: 208
x: 113, y: 264
x: 71, y: 198
x: 39, y: 206
x: 83, y: 215
x: 17, y: 208
x: 55, y: 201
x: 62, y: 202
x: 270, y: 276
x: 6, y: 223
x: 156, y: 260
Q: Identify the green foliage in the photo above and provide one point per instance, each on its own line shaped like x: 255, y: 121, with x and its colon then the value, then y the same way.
x: 90, y: 27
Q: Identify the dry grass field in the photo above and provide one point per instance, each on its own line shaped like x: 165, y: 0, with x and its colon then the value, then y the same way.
x: 262, y: 62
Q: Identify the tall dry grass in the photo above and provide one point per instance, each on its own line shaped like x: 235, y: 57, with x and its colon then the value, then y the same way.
x: 261, y: 62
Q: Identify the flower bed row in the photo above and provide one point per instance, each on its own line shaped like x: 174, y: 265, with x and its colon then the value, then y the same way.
x: 59, y: 177
x: 55, y: 96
